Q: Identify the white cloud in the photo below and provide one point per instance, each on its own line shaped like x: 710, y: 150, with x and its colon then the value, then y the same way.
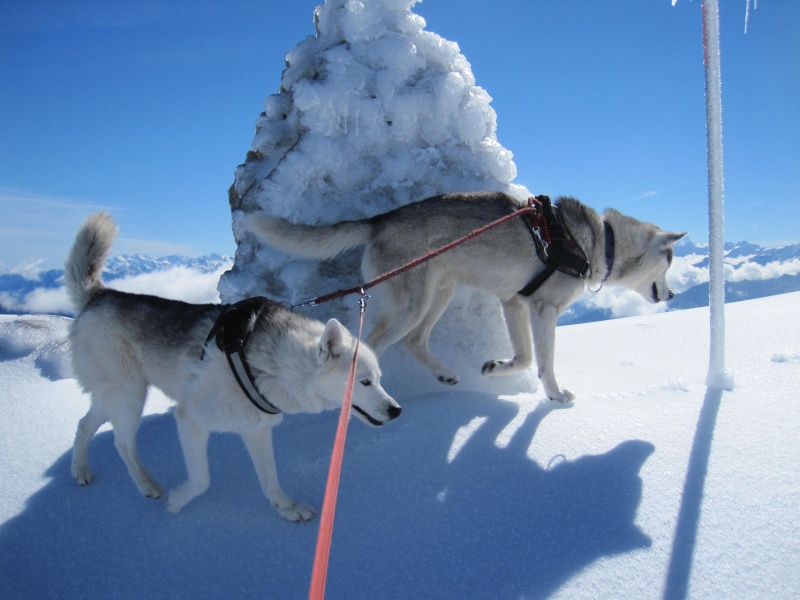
x: 177, y: 283
x: 29, y: 269
x: 622, y: 302
x: 48, y: 301
x: 644, y: 196
x: 683, y: 274
x: 751, y: 271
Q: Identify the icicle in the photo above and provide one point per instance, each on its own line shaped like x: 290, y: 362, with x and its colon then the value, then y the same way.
x: 746, y: 12
x: 746, y: 15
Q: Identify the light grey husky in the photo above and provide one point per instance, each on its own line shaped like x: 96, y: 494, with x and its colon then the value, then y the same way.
x: 619, y: 251
x: 122, y: 343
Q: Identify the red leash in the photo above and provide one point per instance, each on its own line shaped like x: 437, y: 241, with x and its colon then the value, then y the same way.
x: 320, y: 571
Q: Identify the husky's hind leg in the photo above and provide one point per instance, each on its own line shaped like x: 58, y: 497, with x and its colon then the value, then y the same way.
x: 399, y: 306
x: 259, y: 445
x: 410, y: 305
x: 417, y: 339
x: 123, y: 404
x: 87, y: 427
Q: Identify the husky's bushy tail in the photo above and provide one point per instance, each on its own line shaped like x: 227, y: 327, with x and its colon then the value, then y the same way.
x: 310, y: 241
x: 84, y: 266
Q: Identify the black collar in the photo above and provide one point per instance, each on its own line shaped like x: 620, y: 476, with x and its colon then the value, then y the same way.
x: 609, y: 249
x: 232, y: 330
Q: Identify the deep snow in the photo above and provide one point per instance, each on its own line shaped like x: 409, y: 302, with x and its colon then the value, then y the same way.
x: 650, y: 485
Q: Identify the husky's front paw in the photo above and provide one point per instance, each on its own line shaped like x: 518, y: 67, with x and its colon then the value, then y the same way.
x: 82, y: 474
x: 295, y: 512
x: 563, y: 397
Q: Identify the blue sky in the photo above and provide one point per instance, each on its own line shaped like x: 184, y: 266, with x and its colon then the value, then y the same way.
x: 146, y: 108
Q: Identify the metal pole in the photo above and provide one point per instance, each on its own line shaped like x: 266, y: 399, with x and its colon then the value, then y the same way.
x: 718, y: 376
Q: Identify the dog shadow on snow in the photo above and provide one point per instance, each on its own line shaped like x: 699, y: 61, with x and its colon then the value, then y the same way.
x: 418, y: 515
x: 468, y: 516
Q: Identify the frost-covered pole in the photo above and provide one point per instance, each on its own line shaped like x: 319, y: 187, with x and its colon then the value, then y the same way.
x: 718, y: 376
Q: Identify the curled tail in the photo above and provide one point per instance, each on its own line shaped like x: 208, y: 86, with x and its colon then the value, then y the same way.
x: 310, y: 241
x: 84, y: 266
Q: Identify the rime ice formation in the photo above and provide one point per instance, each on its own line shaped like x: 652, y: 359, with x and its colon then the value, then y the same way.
x: 373, y: 112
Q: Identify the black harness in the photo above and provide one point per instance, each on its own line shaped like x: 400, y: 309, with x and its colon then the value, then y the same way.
x: 232, y: 330
x: 556, y: 247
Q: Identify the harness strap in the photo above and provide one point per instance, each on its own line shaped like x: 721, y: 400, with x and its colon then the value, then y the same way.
x: 610, y: 249
x: 554, y: 244
x: 537, y: 281
x: 232, y: 330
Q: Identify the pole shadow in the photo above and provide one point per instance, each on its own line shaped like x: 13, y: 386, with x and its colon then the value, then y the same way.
x: 685, y: 538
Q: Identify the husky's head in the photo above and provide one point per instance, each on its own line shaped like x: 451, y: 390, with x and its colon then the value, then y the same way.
x: 335, y: 350
x: 643, y: 256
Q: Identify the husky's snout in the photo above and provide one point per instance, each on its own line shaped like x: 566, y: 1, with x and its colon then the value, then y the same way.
x: 390, y: 414
x: 656, y: 298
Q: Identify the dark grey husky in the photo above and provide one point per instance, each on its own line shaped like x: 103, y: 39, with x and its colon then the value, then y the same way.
x: 618, y: 250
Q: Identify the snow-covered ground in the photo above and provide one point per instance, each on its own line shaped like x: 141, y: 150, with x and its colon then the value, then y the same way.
x: 649, y: 486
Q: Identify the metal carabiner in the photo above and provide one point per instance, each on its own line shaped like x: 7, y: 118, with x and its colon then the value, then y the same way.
x: 544, y: 244
x: 362, y: 301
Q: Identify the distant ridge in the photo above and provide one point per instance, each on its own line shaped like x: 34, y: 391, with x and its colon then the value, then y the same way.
x: 759, y: 272
x: 739, y: 255
x: 14, y: 287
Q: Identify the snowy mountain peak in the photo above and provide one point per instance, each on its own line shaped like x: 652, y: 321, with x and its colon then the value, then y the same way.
x: 125, y: 265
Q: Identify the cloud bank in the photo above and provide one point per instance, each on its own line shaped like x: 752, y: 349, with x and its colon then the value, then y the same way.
x: 176, y: 283
x: 193, y: 285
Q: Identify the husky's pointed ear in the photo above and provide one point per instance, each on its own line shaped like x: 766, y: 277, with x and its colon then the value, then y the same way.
x: 331, y: 343
x: 667, y: 238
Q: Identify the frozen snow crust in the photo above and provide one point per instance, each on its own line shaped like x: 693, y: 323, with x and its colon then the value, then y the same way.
x: 373, y: 112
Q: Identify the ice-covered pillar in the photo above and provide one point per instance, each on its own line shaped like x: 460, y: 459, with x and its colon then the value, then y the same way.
x: 718, y: 376
x: 373, y: 112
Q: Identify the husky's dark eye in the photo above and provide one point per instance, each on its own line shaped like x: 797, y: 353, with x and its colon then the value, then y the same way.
x: 366, y: 382
x: 669, y: 256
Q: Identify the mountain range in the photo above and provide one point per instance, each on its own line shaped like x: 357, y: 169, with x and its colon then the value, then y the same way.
x: 752, y: 271
x: 15, y: 287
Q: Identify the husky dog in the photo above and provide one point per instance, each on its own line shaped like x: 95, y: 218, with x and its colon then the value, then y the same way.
x: 501, y: 261
x: 122, y: 343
